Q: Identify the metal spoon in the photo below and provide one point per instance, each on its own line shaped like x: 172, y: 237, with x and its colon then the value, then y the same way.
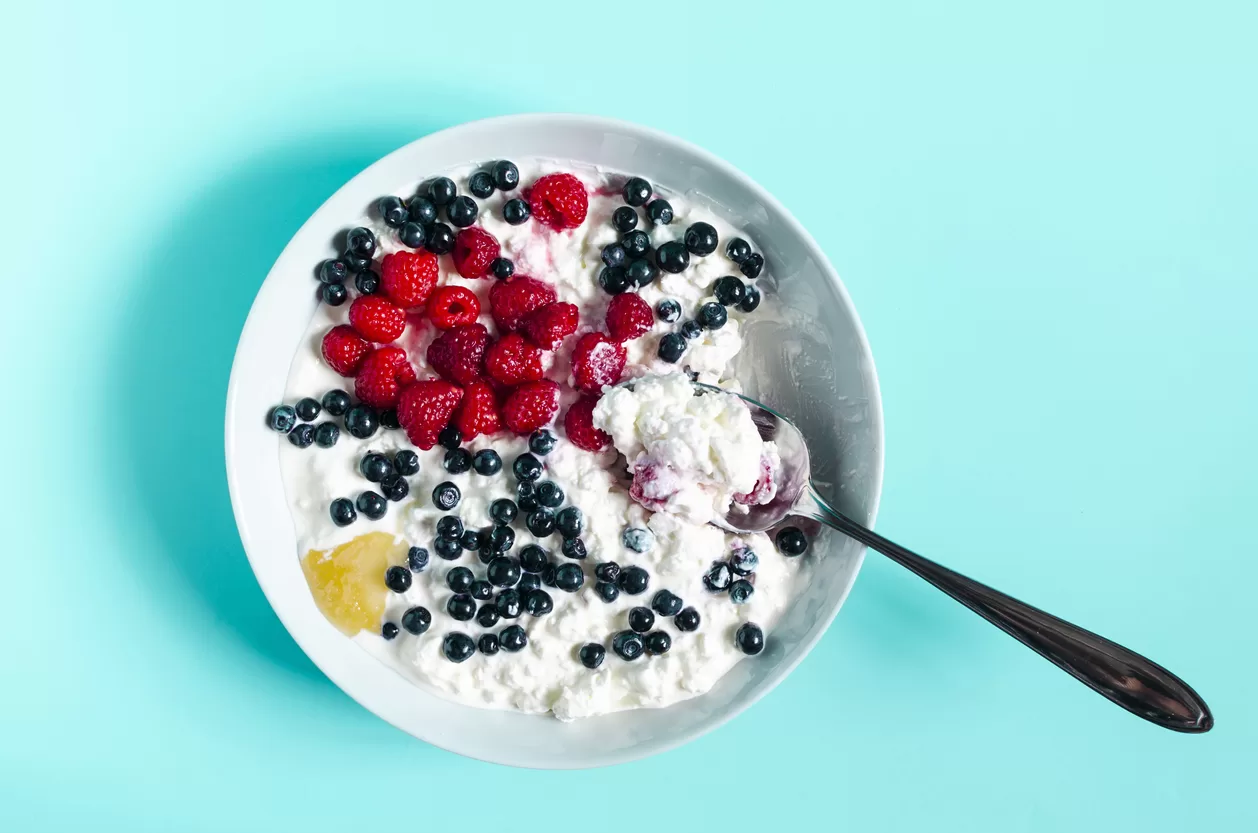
x: 1139, y: 685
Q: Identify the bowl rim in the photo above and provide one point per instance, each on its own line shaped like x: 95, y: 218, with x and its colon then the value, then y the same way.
x: 254, y: 322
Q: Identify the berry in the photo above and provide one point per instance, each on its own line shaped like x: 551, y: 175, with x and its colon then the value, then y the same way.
x: 614, y: 255
x: 574, y: 548
x: 540, y: 522
x: 752, y: 265
x: 633, y: 580
x: 751, y: 299
x: 569, y: 578
x: 336, y: 402
x: 445, y: 496
x: 452, y: 306
x: 512, y: 361
x: 628, y: 316
x: 548, y: 326
x: 441, y: 191
x: 718, y: 577
x: 625, y: 219
x: 533, y: 559
x: 737, y: 249
x: 395, y: 488
x: 327, y: 434
x: 712, y: 316
x: 511, y: 301
x: 668, y: 310
x: 417, y: 559
x: 513, y: 638
x: 541, y: 442
x: 397, y: 579
x: 671, y: 348
x: 481, y: 590
x: 700, y: 239
x: 333, y: 294
x: 531, y: 406
x: 375, y: 467
x: 538, y: 602
x: 416, y: 620
x: 659, y: 212
x: 687, y: 620
x: 361, y: 421
x: 549, y: 494
x: 344, y: 349
x: 559, y: 201
x: 749, y: 639
x: 422, y: 211
x: 388, y: 419
x: 740, y: 591
x: 527, y: 467
x: 461, y: 607
x: 614, y: 280
x: 691, y: 330
x: 744, y: 561
x: 343, y: 512
x: 481, y: 184
x: 282, y: 418
x: 440, y: 239
x: 458, y: 354
x: 393, y: 211
x: 488, y: 616
x: 729, y: 291
x: 637, y: 191
x: 516, y: 211
x: 302, y: 436
x: 389, y: 631
x: 478, y: 413
x: 592, y: 655
x: 487, y: 644
x: 361, y: 242
x: 607, y: 571
x: 641, y: 619
x: 578, y: 424
x: 641, y: 272
x: 636, y: 244
x: 425, y: 408
x: 372, y: 504
x: 382, y: 376
x: 791, y: 541
x: 356, y: 263
x: 503, y: 511
x: 447, y: 548
x: 627, y: 645
x: 367, y: 282
x: 459, y: 579
x: 458, y: 647
x: 548, y: 575
x: 408, y: 278
x: 501, y: 268
x: 474, y: 250
x: 508, y: 603
x: 607, y: 591
x: 487, y: 463
x: 672, y: 257
x: 665, y: 603
x: 501, y: 538
x: 658, y: 643
x: 333, y: 271
x: 377, y: 319
x: 528, y: 581
x: 471, y: 540
x: 597, y: 361
x: 524, y: 496
x: 457, y: 461
x: 505, y: 175
x: 413, y: 235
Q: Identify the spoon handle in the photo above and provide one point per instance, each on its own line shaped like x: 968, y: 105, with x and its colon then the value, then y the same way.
x: 1139, y: 685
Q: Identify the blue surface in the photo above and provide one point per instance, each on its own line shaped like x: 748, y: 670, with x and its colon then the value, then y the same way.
x: 1047, y: 218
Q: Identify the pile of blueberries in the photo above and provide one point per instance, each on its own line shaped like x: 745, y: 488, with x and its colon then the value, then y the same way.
x: 355, y: 260
x: 360, y: 420
x: 720, y: 577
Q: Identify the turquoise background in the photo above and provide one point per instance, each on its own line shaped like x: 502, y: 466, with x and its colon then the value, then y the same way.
x: 1048, y: 218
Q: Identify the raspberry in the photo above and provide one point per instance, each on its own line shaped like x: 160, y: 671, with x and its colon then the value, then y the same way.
x: 512, y: 300
x: 407, y: 278
x: 597, y: 361
x: 628, y: 316
x: 531, y: 406
x: 458, y: 354
x: 549, y: 325
x: 382, y: 375
x: 344, y: 349
x: 474, y: 249
x: 451, y: 306
x: 559, y: 201
x: 479, y: 412
x: 512, y: 360
x: 425, y: 408
x: 376, y: 319
x: 578, y: 423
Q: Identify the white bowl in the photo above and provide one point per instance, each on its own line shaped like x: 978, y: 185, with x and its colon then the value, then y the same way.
x: 819, y: 369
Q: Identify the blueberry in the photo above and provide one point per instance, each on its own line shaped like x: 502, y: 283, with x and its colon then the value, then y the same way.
x: 503, y: 571
x: 744, y: 561
x: 607, y: 571
x: 372, y: 504
x: 343, y: 512
x: 461, y: 607
x: 481, y: 184
x: 457, y: 461
x: 361, y: 421
x: 613, y: 279
x: 527, y: 467
x: 668, y: 310
x: 528, y: 581
x: 361, y: 242
x: 574, y: 548
x: 540, y: 522
x: 752, y: 265
x: 690, y: 330
x: 441, y: 191
x: 737, y: 249
x: 481, y: 590
x: 406, y: 463
x: 627, y: 645
x: 671, y: 348
x: 461, y: 212
x: 749, y: 639
x: 665, y: 603
x: 569, y: 522
x: 659, y: 212
x: 687, y: 620
x: 417, y: 559
x: 395, y: 488
x: 592, y: 655
x: 740, y: 591
x: 729, y: 291
x: 548, y: 575
x: 458, y: 647
x: 450, y: 437
x: 308, y: 409
x: 633, y: 580
x: 614, y: 255
x: 397, y: 579
x: 538, y: 602
x: 450, y: 526
x: 416, y: 620
x: 637, y: 539
x: 718, y: 577
x: 487, y: 616
x: 791, y: 541
x: 637, y: 191
x: 440, y: 239
x: 446, y: 496
x: 672, y: 257
x: 413, y: 235
x: 658, y: 643
x: 516, y: 211
x: 375, y: 467
x: 333, y: 271
x: 487, y: 644
x: 636, y: 243
x: 503, y: 511
x: 641, y: 271
x: 501, y: 268
x: 336, y: 402
x: 501, y: 538
x: 508, y: 604
x: 533, y: 559
x: 513, y: 638
x: 389, y: 419
x: 524, y: 496
x: 473, y: 540
x: 459, y: 579
x: 282, y: 418
x: 607, y: 591
x: 447, y: 548
x: 302, y: 436
x: 333, y: 294
x: 541, y: 442
x: 751, y: 299
x: 487, y: 462
x: 569, y: 578
x: 389, y: 631
x: 327, y: 434
x: 367, y: 282
x: 393, y: 211
x: 641, y: 619
x: 549, y: 494
x: 625, y: 219
x: 506, y: 176
x: 356, y: 263
x: 701, y: 239
x: 712, y: 316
